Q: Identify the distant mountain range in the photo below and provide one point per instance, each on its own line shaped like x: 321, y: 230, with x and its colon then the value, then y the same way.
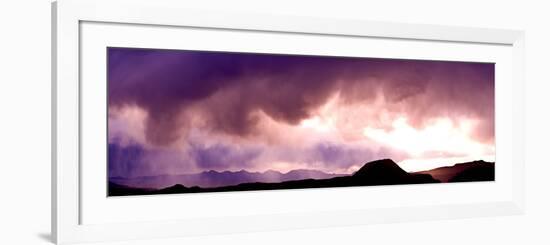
x: 380, y: 172
x: 208, y: 179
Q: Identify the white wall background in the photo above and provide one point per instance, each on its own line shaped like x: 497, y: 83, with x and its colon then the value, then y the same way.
x: 25, y: 122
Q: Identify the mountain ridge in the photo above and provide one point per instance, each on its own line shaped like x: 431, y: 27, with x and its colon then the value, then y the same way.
x: 379, y: 172
x: 450, y: 173
x: 213, y: 178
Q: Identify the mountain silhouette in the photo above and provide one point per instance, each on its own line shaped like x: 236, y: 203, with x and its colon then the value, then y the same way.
x: 380, y: 172
x: 461, y: 172
x: 387, y: 172
x: 477, y: 172
x: 123, y: 190
x: 380, y: 167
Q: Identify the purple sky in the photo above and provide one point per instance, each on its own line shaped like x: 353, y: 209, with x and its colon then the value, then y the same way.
x: 173, y: 112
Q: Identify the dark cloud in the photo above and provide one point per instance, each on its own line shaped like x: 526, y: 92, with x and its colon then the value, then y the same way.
x: 228, y: 88
x: 222, y: 157
x: 165, y: 83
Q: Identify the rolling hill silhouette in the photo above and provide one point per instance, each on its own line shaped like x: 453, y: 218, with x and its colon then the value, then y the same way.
x: 379, y: 172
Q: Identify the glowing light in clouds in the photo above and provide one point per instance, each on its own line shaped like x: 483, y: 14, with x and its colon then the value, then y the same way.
x: 439, y: 143
x: 318, y: 124
x: 325, y: 122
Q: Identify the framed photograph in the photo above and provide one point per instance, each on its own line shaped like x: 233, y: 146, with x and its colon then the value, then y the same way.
x: 175, y: 122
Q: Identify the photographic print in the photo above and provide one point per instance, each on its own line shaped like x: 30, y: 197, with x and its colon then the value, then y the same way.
x: 183, y: 121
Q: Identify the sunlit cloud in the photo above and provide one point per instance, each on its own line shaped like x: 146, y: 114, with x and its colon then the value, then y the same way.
x: 318, y: 124
x: 127, y: 125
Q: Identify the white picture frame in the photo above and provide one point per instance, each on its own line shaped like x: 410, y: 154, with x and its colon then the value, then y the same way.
x: 67, y: 192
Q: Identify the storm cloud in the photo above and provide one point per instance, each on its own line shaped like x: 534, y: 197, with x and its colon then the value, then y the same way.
x: 253, y: 99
